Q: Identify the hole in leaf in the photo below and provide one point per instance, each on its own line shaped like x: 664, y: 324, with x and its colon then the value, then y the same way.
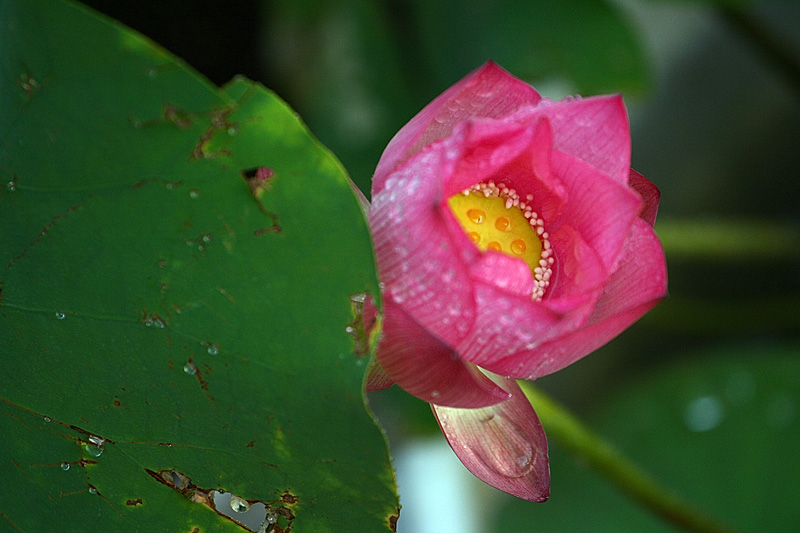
x: 251, y: 515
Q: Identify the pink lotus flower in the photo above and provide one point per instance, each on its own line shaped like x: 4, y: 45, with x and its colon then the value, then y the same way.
x: 512, y: 238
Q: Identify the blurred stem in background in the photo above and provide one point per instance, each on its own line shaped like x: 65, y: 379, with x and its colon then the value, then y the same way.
x: 569, y: 432
x: 724, y: 240
x: 763, y: 39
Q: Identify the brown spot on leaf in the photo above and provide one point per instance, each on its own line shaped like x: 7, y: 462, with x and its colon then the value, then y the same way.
x: 288, y: 498
x: 219, y: 121
x: 393, y: 520
x: 181, y: 118
x: 263, y: 231
x: 259, y: 180
x: 133, y: 503
x: 45, y: 230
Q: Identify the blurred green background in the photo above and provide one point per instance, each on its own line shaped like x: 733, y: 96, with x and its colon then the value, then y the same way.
x: 705, y: 391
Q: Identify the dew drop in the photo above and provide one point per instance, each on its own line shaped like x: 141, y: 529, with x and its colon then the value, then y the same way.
x: 476, y: 215
x: 239, y: 505
x: 194, y: 194
x: 436, y: 394
x: 12, y: 186
x: 494, y: 245
x: 190, y: 368
x: 94, y: 450
x: 503, y: 224
x: 92, y: 490
x: 518, y: 247
x: 474, y: 237
x: 212, y: 349
x: 60, y: 315
x: 47, y: 419
x: 65, y: 466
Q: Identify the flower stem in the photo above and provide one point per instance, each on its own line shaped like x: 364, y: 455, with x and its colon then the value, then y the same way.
x: 721, y: 240
x: 564, y: 428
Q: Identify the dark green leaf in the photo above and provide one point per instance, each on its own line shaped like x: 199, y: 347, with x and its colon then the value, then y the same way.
x: 158, y: 296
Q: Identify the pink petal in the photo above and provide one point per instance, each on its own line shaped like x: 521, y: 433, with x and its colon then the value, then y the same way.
x: 504, y: 445
x: 420, y: 255
x: 508, y: 153
x: 488, y: 91
x: 505, y: 324
x: 376, y: 379
x: 578, y: 270
x: 488, y: 147
x: 594, y: 130
x: 649, y: 193
x: 427, y: 368
x: 504, y: 272
x: 600, y: 209
x: 638, y: 284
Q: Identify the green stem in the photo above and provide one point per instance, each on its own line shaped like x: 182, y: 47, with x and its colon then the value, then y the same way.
x: 563, y: 427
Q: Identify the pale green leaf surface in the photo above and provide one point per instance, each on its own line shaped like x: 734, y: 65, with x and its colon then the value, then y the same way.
x: 131, y: 244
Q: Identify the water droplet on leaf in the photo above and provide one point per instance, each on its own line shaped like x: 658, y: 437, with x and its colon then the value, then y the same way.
x: 190, y: 368
x: 60, y: 315
x: 95, y: 446
x: 65, y: 466
x: 239, y: 505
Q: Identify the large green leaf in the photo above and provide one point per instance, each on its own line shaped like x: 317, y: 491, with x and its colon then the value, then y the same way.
x: 177, y: 269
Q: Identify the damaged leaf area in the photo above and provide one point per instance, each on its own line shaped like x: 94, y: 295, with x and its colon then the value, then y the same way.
x: 167, y: 360
x: 256, y: 516
x: 365, y: 325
